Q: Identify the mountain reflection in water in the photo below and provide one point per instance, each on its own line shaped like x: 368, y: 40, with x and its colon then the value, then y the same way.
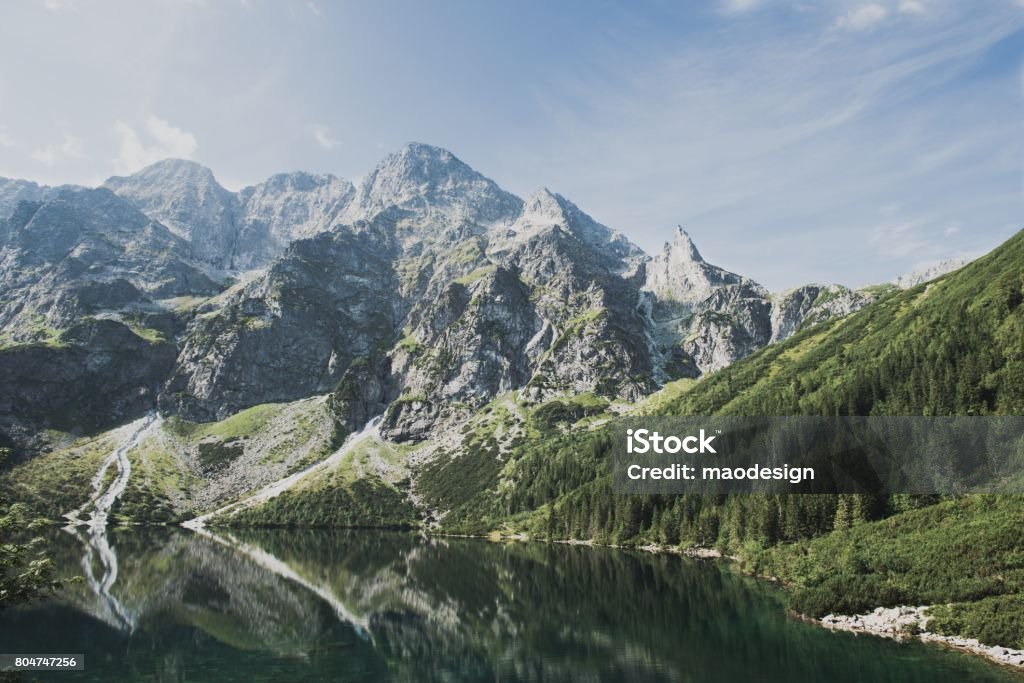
x: 167, y: 604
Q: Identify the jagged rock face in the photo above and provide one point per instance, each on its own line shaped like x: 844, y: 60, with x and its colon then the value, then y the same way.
x: 471, y: 345
x: 186, y: 198
x: 679, y: 274
x: 293, y: 331
x: 287, y: 207
x: 810, y: 304
x: 365, y: 391
x: 732, y: 323
x: 596, y: 253
x: 13, y: 192
x: 99, y: 375
x: 83, y: 252
x: 235, y: 231
x: 702, y: 317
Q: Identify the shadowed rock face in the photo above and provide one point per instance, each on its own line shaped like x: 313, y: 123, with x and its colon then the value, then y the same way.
x: 99, y: 375
x: 82, y: 343
x: 427, y: 288
x: 293, y: 331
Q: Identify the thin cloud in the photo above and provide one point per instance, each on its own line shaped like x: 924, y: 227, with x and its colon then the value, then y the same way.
x: 324, y: 137
x: 163, y: 140
x: 5, y: 138
x: 739, y: 6
x: 757, y: 135
x: 896, y: 239
x: 70, y: 148
x: 60, y: 5
x: 912, y: 7
x: 863, y: 17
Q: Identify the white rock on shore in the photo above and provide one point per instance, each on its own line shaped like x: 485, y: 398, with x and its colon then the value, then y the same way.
x: 905, y: 622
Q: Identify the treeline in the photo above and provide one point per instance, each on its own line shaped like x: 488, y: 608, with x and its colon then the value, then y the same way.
x: 367, y: 503
x: 952, y: 347
x: 562, y: 490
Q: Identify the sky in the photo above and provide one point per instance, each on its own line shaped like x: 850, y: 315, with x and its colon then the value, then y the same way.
x: 796, y: 141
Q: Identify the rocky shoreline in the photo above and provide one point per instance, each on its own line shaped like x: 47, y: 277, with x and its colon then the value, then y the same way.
x: 912, y: 622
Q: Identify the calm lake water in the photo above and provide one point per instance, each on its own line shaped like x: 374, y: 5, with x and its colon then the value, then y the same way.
x: 175, y: 605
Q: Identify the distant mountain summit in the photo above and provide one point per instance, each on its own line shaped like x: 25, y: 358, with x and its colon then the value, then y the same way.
x: 930, y: 272
x: 185, y: 197
x: 433, y: 184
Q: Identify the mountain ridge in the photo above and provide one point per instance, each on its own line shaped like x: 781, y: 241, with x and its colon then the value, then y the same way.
x: 460, y: 291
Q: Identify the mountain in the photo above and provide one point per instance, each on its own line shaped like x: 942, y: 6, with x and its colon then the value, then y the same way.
x: 703, y: 317
x: 292, y: 331
x: 427, y: 350
x: 282, y: 209
x: 86, y: 251
x: 86, y: 343
x: 954, y: 347
x: 186, y: 198
x: 860, y: 367
x: 13, y: 192
x: 234, y: 231
x: 422, y: 294
x: 434, y: 185
x: 930, y: 272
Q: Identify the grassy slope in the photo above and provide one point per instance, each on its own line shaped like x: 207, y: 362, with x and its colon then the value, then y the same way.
x: 168, y: 467
x: 59, y: 481
x: 367, y: 488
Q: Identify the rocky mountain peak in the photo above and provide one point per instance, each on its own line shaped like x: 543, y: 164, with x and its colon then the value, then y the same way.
x: 432, y: 183
x: 185, y: 196
x: 545, y: 210
x: 679, y: 273
x: 682, y: 247
x: 299, y: 181
x: 179, y: 172
x: 545, y: 206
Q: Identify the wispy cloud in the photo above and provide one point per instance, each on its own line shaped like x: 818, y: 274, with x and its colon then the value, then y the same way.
x: 323, y: 136
x: 738, y: 6
x: 863, y: 17
x: 70, y: 148
x: 5, y: 138
x: 912, y: 7
x: 60, y: 5
x: 163, y: 140
x: 314, y: 8
x: 785, y: 142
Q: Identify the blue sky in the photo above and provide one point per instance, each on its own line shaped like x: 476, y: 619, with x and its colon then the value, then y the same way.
x: 796, y: 141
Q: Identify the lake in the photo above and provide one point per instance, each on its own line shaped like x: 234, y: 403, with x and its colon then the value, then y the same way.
x: 168, y: 604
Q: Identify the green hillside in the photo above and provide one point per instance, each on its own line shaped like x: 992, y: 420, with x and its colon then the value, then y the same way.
x: 954, y: 346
